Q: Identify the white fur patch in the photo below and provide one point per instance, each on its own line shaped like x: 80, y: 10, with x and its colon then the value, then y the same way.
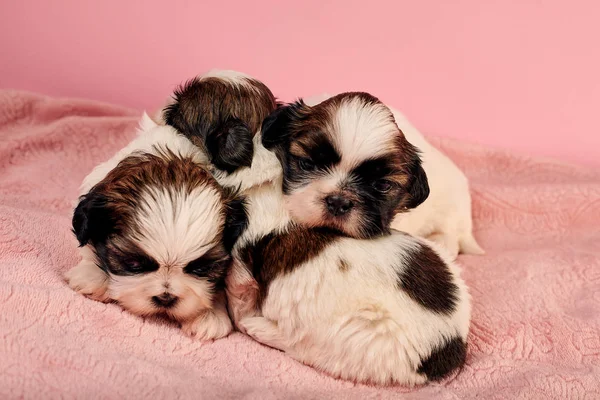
x: 175, y: 227
x: 356, y: 323
x: 363, y: 132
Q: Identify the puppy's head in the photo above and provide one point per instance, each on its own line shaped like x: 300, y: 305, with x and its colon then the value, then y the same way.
x: 221, y: 112
x: 162, y: 230
x: 346, y: 165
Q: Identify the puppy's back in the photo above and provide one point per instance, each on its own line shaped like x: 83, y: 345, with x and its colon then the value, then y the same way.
x: 386, y: 310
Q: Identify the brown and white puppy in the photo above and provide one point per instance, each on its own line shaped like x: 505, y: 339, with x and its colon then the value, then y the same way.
x: 445, y: 216
x: 156, y: 231
x: 346, y: 165
x: 391, y: 309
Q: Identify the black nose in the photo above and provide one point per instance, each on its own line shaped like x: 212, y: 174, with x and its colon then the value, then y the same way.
x: 165, y: 300
x: 338, y: 205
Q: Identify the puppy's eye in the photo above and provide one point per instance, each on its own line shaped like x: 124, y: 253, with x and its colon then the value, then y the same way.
x: 202, y: 268
x: 383, y: 185
x: 306, y: 164
x: 136, y: 266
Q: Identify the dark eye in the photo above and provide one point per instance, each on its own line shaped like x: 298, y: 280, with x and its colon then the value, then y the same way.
x: 306, y: 164
x: 383, y: 185
x: 138, y: 265
x: 202, y: 268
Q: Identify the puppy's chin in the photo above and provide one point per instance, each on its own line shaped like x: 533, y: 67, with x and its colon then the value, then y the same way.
x: 135, y: 294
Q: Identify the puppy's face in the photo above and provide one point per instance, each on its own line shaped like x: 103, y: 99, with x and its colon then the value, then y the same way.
x: 346, y: 165
x: 159, y: 226
x: 220, y: 113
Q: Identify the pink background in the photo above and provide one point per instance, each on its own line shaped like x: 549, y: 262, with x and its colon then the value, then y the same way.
x: 521, y: 74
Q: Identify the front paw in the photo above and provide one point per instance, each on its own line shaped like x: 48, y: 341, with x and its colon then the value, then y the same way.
x: 242, y: 294
x: 89, y: 280
x: 264, y: 331
x: 210, y: 325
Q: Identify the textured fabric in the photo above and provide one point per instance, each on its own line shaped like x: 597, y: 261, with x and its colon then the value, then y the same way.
x: 536, y: 293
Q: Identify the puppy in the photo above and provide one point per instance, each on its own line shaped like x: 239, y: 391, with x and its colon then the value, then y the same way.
x: 329, y: 300
x: 346, y: 165
x: 389, y: 310
x: 445, y: 216
x: 156, y: 231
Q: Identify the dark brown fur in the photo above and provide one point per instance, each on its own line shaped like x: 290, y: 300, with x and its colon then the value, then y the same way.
x: 211, y: 100
x: 277, y: 254
x: 428, y: 281
x: 106, y: 215
x: 444, y: 359
x: 343, y: 265
x: 221, y: 117
x: 123, y: 186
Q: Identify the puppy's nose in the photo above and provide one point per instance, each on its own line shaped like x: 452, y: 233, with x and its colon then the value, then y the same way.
x: 165, y: 300
x: 338, y: 205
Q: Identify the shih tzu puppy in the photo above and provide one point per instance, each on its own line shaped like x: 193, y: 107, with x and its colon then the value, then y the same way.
x: 346, y: 165
x: 305, y: 280
x: 156, y: 231
x: 445, y: 216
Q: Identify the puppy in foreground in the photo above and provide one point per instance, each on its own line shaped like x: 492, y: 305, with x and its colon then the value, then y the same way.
x: 384, y: 309
x: 155, y: 233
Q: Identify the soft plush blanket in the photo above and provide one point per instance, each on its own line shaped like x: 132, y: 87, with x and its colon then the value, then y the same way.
x: 536, y: 293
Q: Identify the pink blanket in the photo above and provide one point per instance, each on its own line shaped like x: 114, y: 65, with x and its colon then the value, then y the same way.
x: 536, y: 294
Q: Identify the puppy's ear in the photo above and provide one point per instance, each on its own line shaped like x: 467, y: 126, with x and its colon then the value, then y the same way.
x: 92, y: 220
x: 230, y: 145
x: 182, y: 111
x: 276, y: 127
x: 418, y: 187
x: 236, y: 221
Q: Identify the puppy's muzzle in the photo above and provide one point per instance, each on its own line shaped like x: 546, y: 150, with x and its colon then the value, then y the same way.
x: 165, y: 300
x: 338, y: 205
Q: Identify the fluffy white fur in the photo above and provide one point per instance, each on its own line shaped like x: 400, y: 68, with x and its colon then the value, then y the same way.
x: 174, y: 228
x: 445, y: 217
x: 356, y: 324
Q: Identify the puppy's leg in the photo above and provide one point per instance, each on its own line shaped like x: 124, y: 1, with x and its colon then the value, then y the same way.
x: 242, y: 293
x: 213, y: 323
x: 264, y: 331
x: 87, y: 278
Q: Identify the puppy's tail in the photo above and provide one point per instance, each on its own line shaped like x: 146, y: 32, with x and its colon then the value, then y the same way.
x: 468, y: 245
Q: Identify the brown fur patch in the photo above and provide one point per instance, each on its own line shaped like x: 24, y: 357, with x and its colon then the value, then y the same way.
x: 123, y: 185
x: 343, y: 265
x: 428, y: 281
x: 274, y: 255
x: 111, y: 204
x: 205, y: 103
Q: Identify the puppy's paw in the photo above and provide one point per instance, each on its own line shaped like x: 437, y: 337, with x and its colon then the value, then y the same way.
x: 211, y: 324
x: 89, y: 280
x: 264, y: 331
x: 242, y: 293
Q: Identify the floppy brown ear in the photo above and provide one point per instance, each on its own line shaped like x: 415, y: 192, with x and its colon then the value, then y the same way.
x: 92, y: 219
x: 418, y: 187
x: 276, y: 128
x: 230, y: 146
x: 236, y: 220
